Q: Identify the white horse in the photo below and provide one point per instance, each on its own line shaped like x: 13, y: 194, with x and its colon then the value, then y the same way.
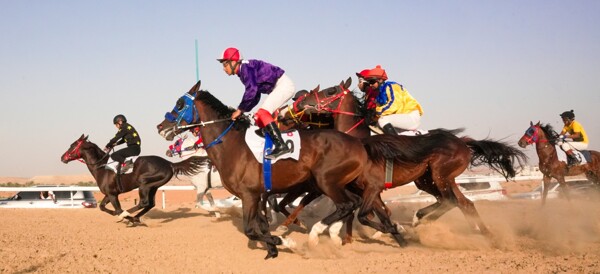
x: 207, y: 179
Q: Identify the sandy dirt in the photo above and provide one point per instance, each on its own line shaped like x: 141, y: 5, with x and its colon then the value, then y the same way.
x: 561, y: 237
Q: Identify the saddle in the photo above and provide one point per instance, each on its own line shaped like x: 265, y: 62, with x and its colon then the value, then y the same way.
x: 126, y: 168
x: 584, y: 156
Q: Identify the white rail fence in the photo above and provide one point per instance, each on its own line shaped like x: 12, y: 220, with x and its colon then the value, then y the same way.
x: 163, y: 189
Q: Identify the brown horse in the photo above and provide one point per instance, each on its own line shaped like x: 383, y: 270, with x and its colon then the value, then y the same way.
x: 545, y: 140
x: 439, y: 154
x: 149, y: 173
x: 330, y: 158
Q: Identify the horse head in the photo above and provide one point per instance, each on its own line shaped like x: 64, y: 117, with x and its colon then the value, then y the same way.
x: 81, y: 149
x: 184, y: 113
x: 538, y: 133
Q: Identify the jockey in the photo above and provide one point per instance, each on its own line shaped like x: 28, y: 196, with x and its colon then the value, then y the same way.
x: 395, y: 108
x: 260, y: 77
x: 126, y: 134
x: 177, y: 147
x: 573, y: 130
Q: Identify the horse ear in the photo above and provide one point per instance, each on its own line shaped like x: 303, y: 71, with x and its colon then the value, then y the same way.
x: 82, y: 137
x: 348, y: 83
x: 530, y: 123
x: 316, y: 89
x: 538, y: 123
x: 195, y: 87
x: 86, y: 137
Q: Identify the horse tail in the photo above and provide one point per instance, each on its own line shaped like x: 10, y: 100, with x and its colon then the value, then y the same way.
x: 190, y: 166
x: 497, y: 155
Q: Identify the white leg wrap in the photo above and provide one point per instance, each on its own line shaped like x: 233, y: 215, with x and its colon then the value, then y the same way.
x: 288, y: 242
x: 334, y: 233
x: 313, y: 236
x: 377, y: 235
x: 123, y: 215
x: 415, y: 221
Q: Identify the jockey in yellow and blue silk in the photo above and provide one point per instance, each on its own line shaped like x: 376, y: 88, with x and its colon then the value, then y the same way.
x: 396, y: 110
x: 577, y: 138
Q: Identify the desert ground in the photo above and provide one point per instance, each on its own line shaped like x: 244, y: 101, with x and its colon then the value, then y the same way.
x: 563, y: 236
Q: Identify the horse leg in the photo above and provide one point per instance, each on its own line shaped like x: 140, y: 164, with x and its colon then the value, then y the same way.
x: 546, y: 182
x: 211, y: 201
x: 102, y: 206
x: 344, y: 207
x: 114, y: 200
x: 256, y: 226
x: 468, y: 209
x: 293, y: 217
x: 372, y: 202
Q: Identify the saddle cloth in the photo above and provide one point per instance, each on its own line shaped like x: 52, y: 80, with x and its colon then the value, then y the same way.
x: 415, y: 132
x: 113, y: 165
x: 257, y: 144
x: 562, y: 156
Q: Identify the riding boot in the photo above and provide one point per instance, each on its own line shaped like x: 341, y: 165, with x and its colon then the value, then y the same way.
x: 280, y: 146
x: 572, y: 160
x: 118, y: 177
x: 389, y: 129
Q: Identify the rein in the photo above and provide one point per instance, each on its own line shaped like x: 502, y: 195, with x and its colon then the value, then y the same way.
x: 203, y: 124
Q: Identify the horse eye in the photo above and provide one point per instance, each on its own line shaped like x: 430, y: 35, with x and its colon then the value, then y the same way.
x: 180, y: 104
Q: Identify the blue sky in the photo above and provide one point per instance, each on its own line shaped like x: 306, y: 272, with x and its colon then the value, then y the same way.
x: 67, y: 67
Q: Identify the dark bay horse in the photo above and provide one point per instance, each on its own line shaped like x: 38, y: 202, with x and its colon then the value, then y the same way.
x: 438, y: 158
x: 545, y: 140
x: 149, y: 173
x: 328, y: 157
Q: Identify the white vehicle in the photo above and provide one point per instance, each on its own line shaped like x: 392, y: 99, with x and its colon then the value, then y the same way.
x: 581, y: 188
x: 51, y: 199
x: 491, y: 190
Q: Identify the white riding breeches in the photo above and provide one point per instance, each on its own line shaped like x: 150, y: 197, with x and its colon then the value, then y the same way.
x: 406, y: 121
x: 566, y: 146
x: 284, y: 91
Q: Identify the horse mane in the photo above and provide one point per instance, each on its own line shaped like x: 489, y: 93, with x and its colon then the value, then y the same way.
x: 551, y: 135
x: 223, y: 111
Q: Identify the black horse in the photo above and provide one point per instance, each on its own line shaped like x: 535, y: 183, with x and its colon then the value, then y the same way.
x: 149, y: 173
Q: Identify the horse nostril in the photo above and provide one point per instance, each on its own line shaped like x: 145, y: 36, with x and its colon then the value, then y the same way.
x: 159, y: 127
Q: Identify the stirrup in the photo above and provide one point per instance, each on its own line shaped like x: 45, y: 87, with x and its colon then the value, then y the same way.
x: 274, y: 154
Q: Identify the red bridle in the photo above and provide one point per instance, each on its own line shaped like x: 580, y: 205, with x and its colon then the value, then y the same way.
x: 533, y: 137
x: 323, y: 105
x: 75, y: 150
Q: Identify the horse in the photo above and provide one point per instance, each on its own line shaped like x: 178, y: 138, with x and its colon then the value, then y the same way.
x: 440, y: 157
x: 148, y: 174
x: 545, y: 140
x: 207, y: 178
x: 330, y: 158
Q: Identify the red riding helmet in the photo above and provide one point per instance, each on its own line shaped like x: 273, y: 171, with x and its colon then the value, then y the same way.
x: 363, y: 74
x: 230, y: 54
x: 377, y: 73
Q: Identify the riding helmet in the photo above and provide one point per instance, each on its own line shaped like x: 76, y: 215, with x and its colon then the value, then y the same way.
x: 568, y: 114
x: 377, y: 73
x: 363, y: 74
x: 119, y: 117
x: 230, y: 54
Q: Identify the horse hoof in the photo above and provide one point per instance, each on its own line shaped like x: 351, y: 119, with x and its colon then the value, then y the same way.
x: 288, y: 242
x: 281, y: 229
x: 217, y: 214
x: 376, y: 235
x: 337, y: 241
x: 272, y: 254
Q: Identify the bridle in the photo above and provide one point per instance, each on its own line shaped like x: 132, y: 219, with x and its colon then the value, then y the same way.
x: 77, y: 150
x: 325, y: 105
x: 532, y: 135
